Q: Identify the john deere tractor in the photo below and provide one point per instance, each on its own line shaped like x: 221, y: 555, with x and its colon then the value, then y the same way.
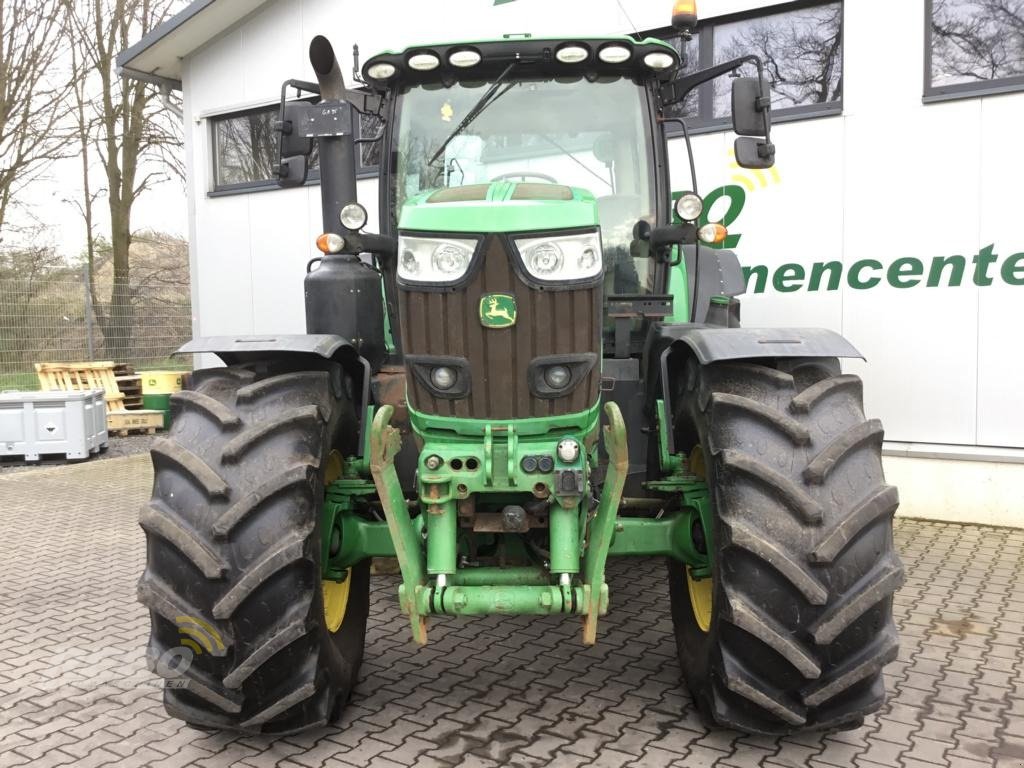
x: 537, y: 364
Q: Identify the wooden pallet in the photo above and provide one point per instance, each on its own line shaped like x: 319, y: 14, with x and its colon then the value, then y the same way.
x: 123, y: 422
x: 130, y: 385
x: 75, y: 377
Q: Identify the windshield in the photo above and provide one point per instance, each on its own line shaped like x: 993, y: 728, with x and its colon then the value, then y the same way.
x: 568, y: 131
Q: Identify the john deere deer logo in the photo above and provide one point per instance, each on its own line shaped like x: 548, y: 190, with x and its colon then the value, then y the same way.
x: 497, y: 310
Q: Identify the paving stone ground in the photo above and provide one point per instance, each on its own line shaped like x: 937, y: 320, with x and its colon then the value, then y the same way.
x: 484, y: 692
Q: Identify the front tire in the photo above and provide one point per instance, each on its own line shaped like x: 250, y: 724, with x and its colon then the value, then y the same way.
x: 233, y: 577
x: 804, y: 567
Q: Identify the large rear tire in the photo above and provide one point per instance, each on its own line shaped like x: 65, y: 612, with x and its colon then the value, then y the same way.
x: 800, y: 623
x: 233, y: 542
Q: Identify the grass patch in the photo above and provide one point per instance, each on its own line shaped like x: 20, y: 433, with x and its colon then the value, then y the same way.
x: 24, y: 381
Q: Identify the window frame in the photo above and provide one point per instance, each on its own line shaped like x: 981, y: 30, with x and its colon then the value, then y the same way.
x: 265, y: 185
x: 972, y: 90
x: 699, y: 125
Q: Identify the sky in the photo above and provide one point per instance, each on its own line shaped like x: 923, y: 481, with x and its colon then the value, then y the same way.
x: 48, y: 198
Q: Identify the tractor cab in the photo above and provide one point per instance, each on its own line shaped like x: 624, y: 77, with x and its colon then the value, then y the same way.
x: 539, y: 133
x: 524, y: 138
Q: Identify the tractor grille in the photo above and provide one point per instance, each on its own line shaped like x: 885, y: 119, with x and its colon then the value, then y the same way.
x: 548, y: 323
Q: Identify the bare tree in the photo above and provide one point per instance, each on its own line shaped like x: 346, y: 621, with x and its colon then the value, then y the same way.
x: 123, y: 124
x: 246, y: 147
x: 982, y: 40
x: 33, y: 86
x: 802, y: 53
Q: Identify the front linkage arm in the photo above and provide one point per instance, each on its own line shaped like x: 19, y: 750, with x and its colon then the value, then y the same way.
x: 602, y: 527
x: 385, y: 443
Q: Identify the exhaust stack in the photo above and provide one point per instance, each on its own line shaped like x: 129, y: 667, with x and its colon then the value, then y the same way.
x: 343, y: 295
x: 325, y: 64
x: 335, y: 138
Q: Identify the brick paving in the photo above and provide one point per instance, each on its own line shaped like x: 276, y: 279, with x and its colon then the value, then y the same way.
x: 491, y: 691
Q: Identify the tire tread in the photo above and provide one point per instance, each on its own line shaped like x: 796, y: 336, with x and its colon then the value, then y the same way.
x: 806, y: 567
x: 253, y: 537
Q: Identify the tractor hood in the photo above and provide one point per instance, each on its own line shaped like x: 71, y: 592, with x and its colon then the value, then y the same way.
x: 500, y: 206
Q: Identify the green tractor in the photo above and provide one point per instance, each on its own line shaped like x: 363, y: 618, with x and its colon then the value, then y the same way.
x: 533, y: 367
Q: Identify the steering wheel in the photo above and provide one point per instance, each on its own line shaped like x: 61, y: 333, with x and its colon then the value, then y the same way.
x: 524, y: 175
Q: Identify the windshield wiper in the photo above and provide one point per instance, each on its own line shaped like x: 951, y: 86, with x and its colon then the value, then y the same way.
x: 578, y: 162
x: 485, y: 101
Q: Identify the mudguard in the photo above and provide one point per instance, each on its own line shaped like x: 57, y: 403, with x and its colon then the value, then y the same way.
x: 242, y: 349
x: 712, y: 344
x: 718, y: 274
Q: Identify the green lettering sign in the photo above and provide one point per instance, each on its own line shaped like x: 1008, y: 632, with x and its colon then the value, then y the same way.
x: 854, y: 276
x: 788, y: 278
x: 902, y: 269
x: 1013, y: 270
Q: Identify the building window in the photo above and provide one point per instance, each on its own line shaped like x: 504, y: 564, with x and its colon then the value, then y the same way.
x: 973, y: 48
x: 801, y: 45
x: 245, y: 150
x: 368, y: 153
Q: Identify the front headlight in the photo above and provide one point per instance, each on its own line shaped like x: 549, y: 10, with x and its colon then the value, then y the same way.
x: 566, y: 257
x: 433, y: 259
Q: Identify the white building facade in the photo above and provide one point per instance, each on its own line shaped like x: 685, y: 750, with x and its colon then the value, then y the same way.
x: 893, y: 216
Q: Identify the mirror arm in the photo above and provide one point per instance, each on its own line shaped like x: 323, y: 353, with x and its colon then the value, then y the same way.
x: 676, y: 90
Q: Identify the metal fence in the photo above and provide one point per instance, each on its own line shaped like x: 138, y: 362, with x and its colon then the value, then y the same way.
x: 50, y: 316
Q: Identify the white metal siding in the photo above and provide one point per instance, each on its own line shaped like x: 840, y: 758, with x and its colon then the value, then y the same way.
x: 889, y: 178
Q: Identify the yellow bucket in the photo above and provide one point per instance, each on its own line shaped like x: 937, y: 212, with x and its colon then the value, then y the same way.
x: 161, y: 382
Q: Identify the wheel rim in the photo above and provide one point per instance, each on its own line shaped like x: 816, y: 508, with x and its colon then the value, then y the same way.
x: 701, y: 590
x: 700, y: 600
x: 335, y: 592
x: 336, y: 601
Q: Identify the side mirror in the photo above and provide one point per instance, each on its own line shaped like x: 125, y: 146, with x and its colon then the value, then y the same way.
x: 293, y: 171
x: 754, y: 153
x: 293, y: 148
x: 751, y: 106
x: 292, y: 141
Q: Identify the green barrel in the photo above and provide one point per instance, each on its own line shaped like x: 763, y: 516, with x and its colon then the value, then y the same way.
x: 157, y: 388
x: 159, y: 403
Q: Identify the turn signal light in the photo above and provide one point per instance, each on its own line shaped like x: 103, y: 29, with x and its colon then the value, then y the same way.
x: 330, y: 243
x: 684, y: 14
x: 712, y: 234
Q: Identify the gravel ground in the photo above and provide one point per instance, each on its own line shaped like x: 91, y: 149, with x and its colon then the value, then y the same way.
x: 118, y: 447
